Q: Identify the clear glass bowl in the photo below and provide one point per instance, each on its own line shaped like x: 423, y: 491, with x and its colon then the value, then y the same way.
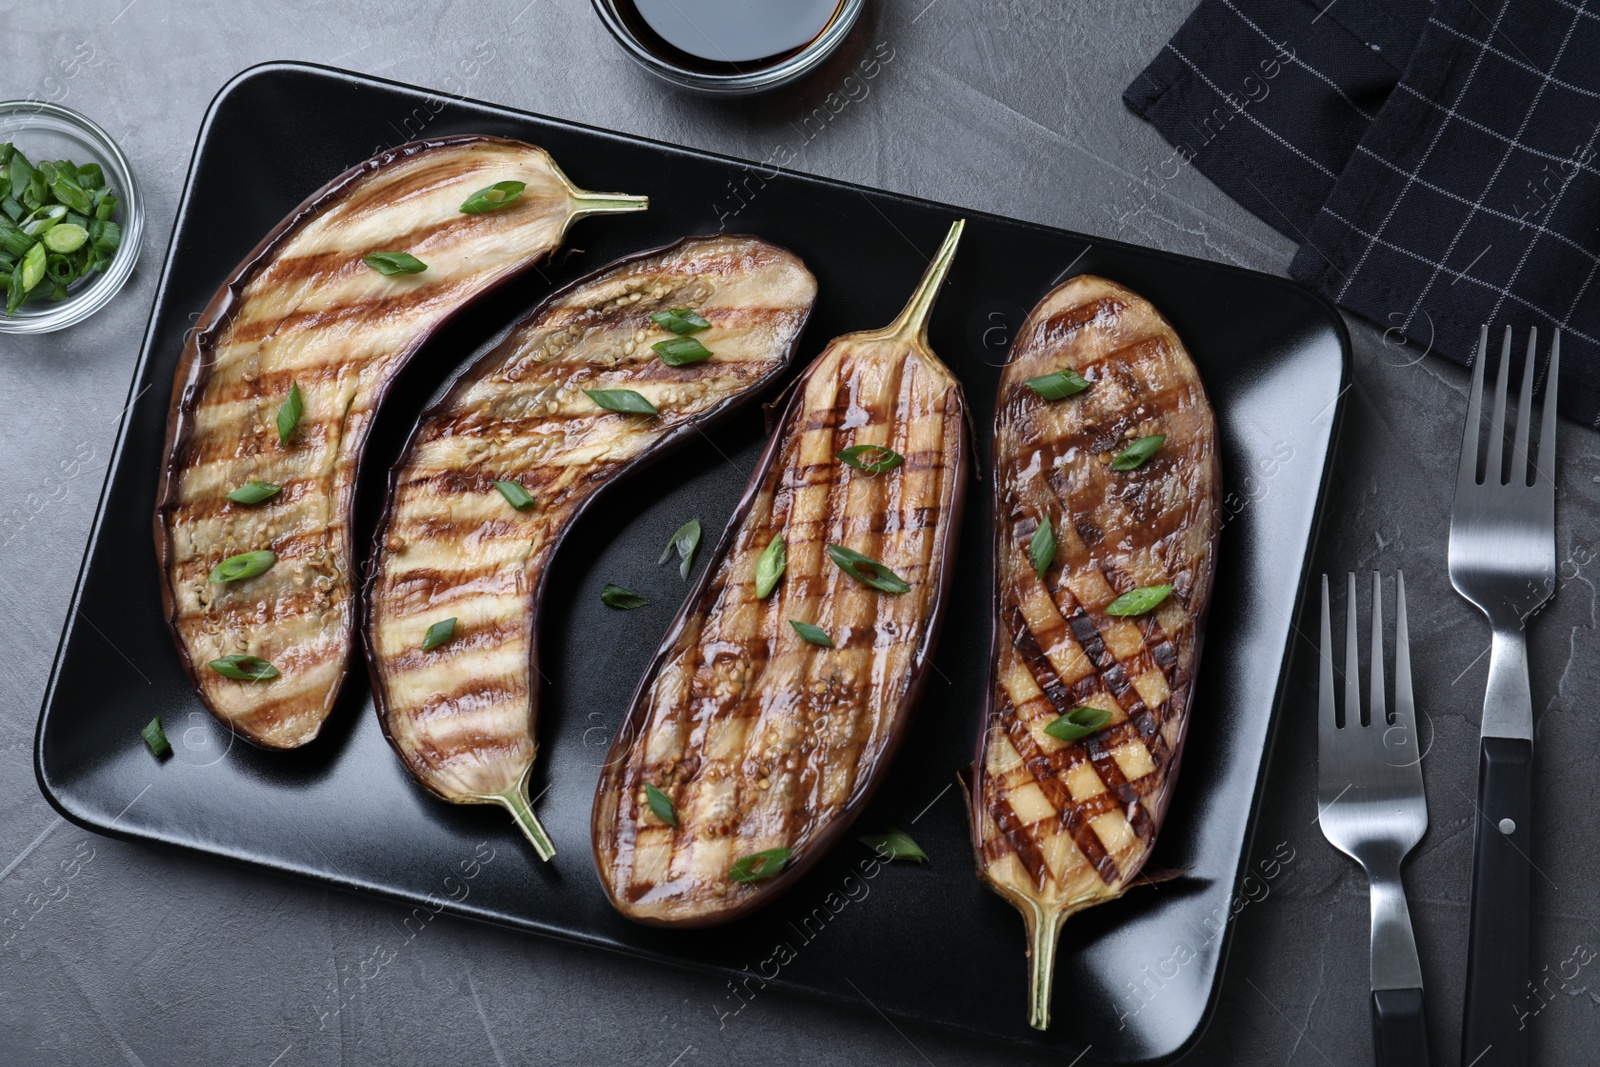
x: 48, y: 131
x: 744, y: 83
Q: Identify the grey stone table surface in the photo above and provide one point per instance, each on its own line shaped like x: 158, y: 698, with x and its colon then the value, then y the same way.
x: 153, y: 957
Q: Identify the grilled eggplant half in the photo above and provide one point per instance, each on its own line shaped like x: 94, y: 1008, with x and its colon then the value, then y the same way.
x: 495, y: 476
x: 274, y: 395
x: 750, y: 747
x: 1104, y: 555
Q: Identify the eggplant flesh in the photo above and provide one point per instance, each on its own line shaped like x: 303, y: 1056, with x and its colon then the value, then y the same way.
x: 759, y: 740
x: 462, y: 716
x: 305, y: 310
x: 1060, y: 826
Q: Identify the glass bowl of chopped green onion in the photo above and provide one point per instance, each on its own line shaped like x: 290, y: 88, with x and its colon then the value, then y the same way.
x: 70, y: 217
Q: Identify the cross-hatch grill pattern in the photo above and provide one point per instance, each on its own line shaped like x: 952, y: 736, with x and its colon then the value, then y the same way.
x: 760, y: 739
x: 307, y: 310
x: 1064, y: 825
x: 462, y: 716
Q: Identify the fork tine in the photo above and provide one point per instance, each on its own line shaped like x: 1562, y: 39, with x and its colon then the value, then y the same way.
x: 1494, y: 467
x: 1327, y: 721
x: 1405, y: 708
x: 1468, y: 472
x: 1545, y: 468
x: 1352, y: 659
x: 1521, y: 460
x: 1377, y: 709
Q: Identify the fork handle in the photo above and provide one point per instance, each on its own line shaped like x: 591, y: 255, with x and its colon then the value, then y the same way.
x: 1398, y: 1030
x: 1494, y: 1029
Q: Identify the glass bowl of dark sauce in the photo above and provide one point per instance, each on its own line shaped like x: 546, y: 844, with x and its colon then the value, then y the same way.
x: 729, y: 47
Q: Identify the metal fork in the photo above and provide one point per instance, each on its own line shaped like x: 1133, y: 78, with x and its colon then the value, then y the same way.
x: 1372, y: 808
x: 1503, y: 559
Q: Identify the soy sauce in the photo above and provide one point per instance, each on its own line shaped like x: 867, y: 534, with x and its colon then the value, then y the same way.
x: 732, y: 36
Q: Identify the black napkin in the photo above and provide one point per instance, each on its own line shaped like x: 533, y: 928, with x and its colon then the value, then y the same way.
x: 1439, y: 164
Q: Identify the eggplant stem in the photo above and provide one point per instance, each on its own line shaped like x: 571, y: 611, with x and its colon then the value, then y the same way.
x: 515, y: 800
x: 586, y: 203
x: 1044, y: 930
x: 911, y: 325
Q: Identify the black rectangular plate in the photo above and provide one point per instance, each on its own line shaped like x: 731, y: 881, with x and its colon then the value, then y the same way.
x: 1136, y: 978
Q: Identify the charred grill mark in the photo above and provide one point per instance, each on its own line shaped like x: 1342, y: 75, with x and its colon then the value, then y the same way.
x: 1033, y: 656
x: 469, y: 752
x: 1015, y: 834
x: 1048, y: 772
x: 476, y: 694
x: 1058, y: 328
x: 398, y: 184
x: 328, y: 266
x: 469, y: 641
x: 1088, y: 636
x: 291, y: 492
x: 832, y: 419
x: 345, y: 316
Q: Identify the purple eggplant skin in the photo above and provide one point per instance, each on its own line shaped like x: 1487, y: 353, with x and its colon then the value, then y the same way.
x: 761, y: 741
x: 462, y: 716
x: 304, y: 315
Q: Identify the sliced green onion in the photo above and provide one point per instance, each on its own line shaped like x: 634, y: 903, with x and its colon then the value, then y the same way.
x: 867, y: 571
x: 244, y: 565
x: 681, y: 351
x: 59, y: 270
x: 813, y: 635
x: 617, y: 597
x: 14, y: 289
x: 68, y: 237
x: 32, y: 266
x: 391, y: 263
x: 759, y: 865
x: 438, y: 634
x: 684, y: 542
x: 1136, y: 453
x: 71, y: 194
x: 679, y: 320
x: 109, y: 238
x: 624, y: 400
x: 661, y: 805
x: 245, y: 668
x: 1042, y: 546
x: 492, y: 198
x: 155, y: 738
x: 20, y: 171
x: 1139, y: 601
x: 1078, y: 723
x: 254, y: 492
x: 49, y: 207
x: 289, y: 413
x: 42, y: 220
x: 879, y: 459
x: 770, y: 565
x: 1058, y: 386
x: 894, y: 845
x: 13, y: 242
x: 515, y: 495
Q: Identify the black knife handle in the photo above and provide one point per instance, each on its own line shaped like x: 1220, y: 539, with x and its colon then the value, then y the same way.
x: 1398, y: 1030
x: 1494, y: 1031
